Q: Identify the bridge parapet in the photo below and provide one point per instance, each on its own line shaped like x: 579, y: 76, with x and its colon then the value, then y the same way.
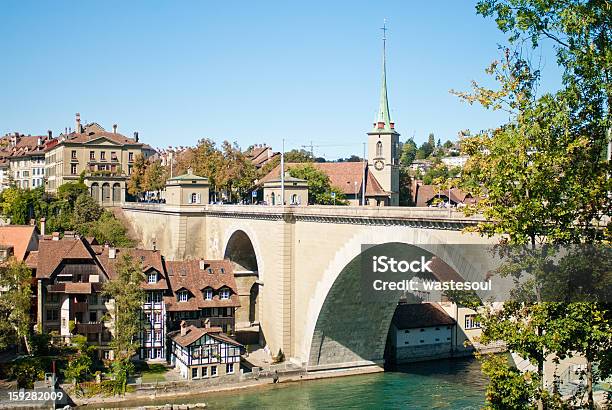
x: 408, y: 216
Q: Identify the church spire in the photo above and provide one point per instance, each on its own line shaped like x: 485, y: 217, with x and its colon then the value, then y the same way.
x: 383, y: 118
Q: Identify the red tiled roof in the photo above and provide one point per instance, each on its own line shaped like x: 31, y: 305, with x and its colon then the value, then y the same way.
x: 188, y: 275
x: 415, y: 315
x: 19, y: 237
x: 84, y: 138
x: 342, y: 175
x: 194, y: 333
x: 148, y: 259
x: 51, y: 253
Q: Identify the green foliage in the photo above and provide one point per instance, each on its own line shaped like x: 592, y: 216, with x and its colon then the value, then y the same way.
x: 405, y: 187
x: 508, y: 388
x: 80, y: 365
x: 136, y: 183
x: 154, y: 178
x: 70, y: 191
x: 15, y: 303
x: 409, y: 152
x: 319, y: 186
x: 107, y: 229
x: 298, y: 156
x: 424, y: 151
x: 26, y: 370
x: 128, y: 298
x: 86, y: 210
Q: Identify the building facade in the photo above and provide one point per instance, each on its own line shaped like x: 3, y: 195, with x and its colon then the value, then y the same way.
x: 23, y: 160
x: 105, y: 159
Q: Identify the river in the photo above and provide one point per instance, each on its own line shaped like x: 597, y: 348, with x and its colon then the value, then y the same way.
x: 444, y: 384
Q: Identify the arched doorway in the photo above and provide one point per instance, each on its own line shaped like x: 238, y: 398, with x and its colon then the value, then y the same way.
x: 106, y: 192
x: 95, y: 191
x: 116, y: 192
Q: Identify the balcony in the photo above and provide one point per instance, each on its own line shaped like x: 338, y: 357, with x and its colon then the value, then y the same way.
x: 80, y: 307
x: 86, y: 328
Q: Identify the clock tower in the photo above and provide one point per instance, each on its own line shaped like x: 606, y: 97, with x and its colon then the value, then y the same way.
x: 383, y: 142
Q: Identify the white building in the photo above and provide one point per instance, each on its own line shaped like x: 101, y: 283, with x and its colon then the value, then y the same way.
x: 452, y: 162
x: 204, y: 352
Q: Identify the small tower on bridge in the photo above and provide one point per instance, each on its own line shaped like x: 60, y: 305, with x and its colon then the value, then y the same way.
x: 383, y: 140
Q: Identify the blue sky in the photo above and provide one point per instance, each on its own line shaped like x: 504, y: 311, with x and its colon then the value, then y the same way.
x: 249, y: 72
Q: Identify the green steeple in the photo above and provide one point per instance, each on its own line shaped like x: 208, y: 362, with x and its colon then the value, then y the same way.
x: 383, y: 117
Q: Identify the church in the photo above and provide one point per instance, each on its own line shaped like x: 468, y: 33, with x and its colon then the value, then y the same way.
x: 381, y: 171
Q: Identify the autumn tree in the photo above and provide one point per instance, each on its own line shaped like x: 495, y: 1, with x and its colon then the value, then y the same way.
x: 237, y: 172
x: 136, y: 183
x: 154, y: 178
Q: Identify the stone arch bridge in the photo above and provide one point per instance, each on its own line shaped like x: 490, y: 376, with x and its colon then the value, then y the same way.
x: 303, y: 263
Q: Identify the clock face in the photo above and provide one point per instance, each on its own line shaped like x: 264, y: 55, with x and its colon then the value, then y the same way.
x: 379, y: 165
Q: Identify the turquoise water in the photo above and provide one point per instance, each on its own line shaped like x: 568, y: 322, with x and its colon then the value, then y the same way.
x: 445, y: 384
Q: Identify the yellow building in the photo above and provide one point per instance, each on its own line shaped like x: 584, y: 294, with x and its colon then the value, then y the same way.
x: 187, y: 190
x: 104, y: 158
x: 296, y: 191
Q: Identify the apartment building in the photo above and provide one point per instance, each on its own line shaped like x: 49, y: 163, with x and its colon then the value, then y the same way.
x: 23, y: 159
x: 105, y: 159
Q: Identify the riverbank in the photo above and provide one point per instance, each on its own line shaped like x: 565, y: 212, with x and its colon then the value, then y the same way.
x: 140, y: 396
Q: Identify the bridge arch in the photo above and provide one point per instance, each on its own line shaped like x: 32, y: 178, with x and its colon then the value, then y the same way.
x: 241, y: 249
x: 339, y: 331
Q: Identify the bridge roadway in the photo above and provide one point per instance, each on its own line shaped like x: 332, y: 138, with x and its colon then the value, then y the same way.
x: 295, y: 266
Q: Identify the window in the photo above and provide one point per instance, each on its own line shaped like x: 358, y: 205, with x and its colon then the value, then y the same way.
x: 107, y: 354
x: 158, y: 317
x: 148, y: 317
x: 194, y: 373
x: 52, y: 314
x: 158, y: 353
x: 92, y: 155
x: 194, y: 199
x: 222, y: 270
x: 130, y: 156
x: 73, y: 154
x: 158, y: 335
x: 153, y: 277
x: 147, y: 336
x: 224, y: 294
x: 103, y: 155
x: 53, y: 298
x: 210, y: 270
x: 113, y: 156
x: 73, y: 169
x: 183, y: 296
x: 213, y: 371
x: 379, y: 149
x: 471, y: 322
x: 93, y: 316
x: 229, y: 369
x: 208, y: 294
x: 204, y: 371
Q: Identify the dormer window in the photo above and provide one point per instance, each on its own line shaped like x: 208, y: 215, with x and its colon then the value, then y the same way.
x: 208, y: 294
x: 210, y: 270
x: 152, y: 277
x: 183, y: 296
x: 224, y: 294
x: 222, y: 270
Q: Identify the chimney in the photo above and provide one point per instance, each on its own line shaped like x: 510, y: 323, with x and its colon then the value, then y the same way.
x: 183, y: 328
x: 77, y: 129
x: 136, y: 135
x: 202, y: 264
x: 55, y: 236
x: 39, y: 141
x: 392, y: 125
x: 206, y: 322
x: 43, y: 224
x: 14, y: 140
x: 114, y: 128
x: 112, y: 252
x: 50, y: 134
x: 154, y: 245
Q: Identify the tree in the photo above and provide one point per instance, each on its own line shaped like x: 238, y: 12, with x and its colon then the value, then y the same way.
x: 299, y: 156
x: 136, y: 183
x: 108, y: 229
x: 431, y: 140
x: 405, y: 187
x: 128, y: 298
x: 424, y: 151
x: 319, y: 186
x: 15, y: 300
x: 237, y: 172
x: 154, y: 178
x: 409, y: 152
x: 448, y: 144
x: 523, y: 166
x: 80, y: 364
x: 86, y: 210
x: 70, y: 191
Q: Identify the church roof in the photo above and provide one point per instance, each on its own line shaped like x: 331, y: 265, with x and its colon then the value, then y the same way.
x: 383, y: 117
x: 342, y: 175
